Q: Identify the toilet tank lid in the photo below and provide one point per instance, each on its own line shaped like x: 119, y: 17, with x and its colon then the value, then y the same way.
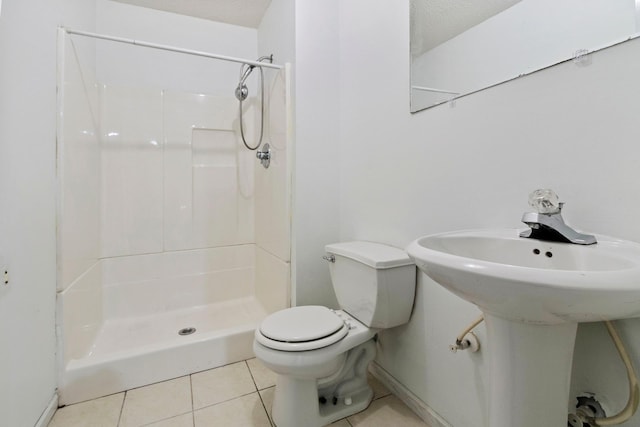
x: 376, y: 255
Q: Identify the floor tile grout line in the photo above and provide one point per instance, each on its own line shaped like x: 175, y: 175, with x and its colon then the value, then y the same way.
x: 265, y: 409
x: 254, y: 378
x: 126, y: 392
x: 124, y: 397
x: 193, y: 415
x: 164, y: 419
x: 225, y: 401
x: 255, y: 384
x: 380, y: 397
x: 194, y: 409
x: 259, y: 395
x: 216, y: 367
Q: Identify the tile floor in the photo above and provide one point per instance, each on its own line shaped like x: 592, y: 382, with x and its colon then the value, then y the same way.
x: 235, y: 395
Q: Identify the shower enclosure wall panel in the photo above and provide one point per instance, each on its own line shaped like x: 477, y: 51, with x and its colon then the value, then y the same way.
x: 273, y: 202
x: 174, y: 177
x: 132, y: 167
x: 273, y: 185
x: 80, y: 310
x: 176, y: 281
x: 272, y: 281
x: 209, y: 180
x: 78, y: 165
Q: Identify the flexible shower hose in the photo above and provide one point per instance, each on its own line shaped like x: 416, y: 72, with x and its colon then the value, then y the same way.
x: 244, y: 140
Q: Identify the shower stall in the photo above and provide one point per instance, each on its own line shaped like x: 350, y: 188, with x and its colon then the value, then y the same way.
x: 173, y: 240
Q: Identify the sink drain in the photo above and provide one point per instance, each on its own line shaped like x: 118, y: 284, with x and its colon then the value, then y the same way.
x: 186, y: 331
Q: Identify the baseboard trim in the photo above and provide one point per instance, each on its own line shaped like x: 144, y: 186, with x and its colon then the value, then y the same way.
x: 421, y: 409
x: 47, y: 415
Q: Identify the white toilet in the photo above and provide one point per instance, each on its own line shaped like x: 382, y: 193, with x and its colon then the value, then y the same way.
x: 321, y: 355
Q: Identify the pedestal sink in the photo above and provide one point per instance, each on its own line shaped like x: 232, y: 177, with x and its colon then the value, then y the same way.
x: 533, y: 293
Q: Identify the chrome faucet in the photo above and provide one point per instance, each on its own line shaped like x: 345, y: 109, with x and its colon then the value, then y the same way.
x: 547, y: 223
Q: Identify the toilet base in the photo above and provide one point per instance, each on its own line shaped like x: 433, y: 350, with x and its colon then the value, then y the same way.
x: 288, y: 413
x: 317, y: 403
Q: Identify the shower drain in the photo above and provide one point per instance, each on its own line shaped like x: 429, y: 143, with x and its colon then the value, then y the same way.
x: 186, y: 331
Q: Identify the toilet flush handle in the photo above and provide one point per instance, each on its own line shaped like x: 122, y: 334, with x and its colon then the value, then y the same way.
x: 330, y: 257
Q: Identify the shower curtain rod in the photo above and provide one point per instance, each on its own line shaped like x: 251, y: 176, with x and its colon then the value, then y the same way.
x: 171, y: 48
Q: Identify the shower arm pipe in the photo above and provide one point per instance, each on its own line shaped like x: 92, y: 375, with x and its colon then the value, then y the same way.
x: 634, y: 392
x: 172, y: 48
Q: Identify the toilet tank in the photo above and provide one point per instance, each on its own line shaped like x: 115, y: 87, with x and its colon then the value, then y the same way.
x: 374, y: 283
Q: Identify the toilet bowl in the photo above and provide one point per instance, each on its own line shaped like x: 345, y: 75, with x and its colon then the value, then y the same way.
x: 321, y: 355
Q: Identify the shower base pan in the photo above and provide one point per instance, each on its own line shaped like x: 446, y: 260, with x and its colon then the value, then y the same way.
x: 136, y: 351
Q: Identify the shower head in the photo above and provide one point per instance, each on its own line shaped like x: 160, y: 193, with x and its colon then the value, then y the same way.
x: 245, y: 71
x: 241, y: 90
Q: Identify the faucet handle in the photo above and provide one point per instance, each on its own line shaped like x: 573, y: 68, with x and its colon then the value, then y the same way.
x: 545, y: 201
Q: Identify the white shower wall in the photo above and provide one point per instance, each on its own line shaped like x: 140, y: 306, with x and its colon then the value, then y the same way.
x: 79, y: 171
x: 173, y: 176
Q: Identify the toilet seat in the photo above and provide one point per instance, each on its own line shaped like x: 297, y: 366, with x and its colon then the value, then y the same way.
x: 301, y: 328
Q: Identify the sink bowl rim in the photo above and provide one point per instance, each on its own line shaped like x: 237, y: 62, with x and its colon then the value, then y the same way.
x: 607, y: 280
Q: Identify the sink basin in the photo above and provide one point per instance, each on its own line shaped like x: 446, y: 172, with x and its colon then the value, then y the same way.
x: 534, y: 281
x: 533, y: 294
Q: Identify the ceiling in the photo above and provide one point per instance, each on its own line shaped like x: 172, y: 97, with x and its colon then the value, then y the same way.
x: 246, y: 13
x: 436, y: 21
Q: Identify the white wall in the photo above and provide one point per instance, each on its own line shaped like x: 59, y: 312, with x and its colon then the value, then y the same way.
x: 28, y: 202
x: 78, y: 151
x: 570, y: 128
x: 276, y: 33
x: 317, y: 160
